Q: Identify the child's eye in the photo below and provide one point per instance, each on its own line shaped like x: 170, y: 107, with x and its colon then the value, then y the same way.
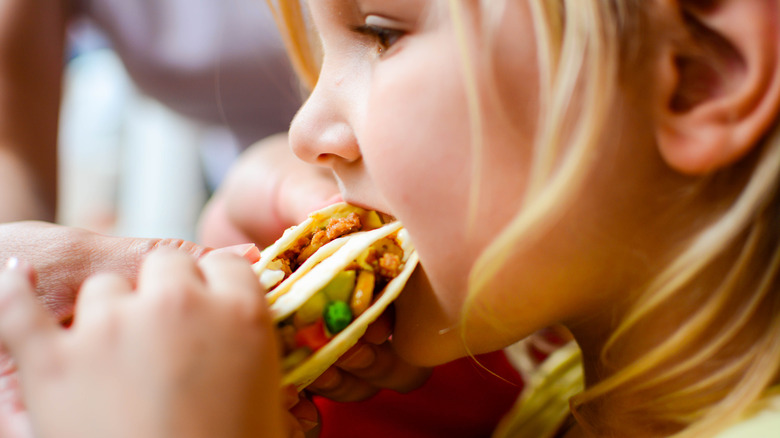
x: 384, y: 37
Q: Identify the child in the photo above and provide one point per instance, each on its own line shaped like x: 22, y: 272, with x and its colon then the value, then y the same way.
x: 609, y: 165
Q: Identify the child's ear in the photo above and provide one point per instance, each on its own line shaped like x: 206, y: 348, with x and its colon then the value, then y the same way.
x: 719, y: 83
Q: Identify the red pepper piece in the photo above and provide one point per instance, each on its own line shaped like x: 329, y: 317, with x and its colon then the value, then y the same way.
x: 312, y: 336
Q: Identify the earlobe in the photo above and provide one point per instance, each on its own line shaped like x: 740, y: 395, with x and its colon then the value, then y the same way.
x: 719, y: 84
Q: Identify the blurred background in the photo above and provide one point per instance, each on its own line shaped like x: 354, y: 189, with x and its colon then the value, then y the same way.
x: 128, y: 164
x: 132, y: 165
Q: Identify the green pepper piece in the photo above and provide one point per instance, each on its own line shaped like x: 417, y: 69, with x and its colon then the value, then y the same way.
x: 311, y: 310
x: 341, y: 287
x: 337, y: 316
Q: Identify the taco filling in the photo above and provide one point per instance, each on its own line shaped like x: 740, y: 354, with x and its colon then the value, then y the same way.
x: 322, y: 232
x: 340, y: 301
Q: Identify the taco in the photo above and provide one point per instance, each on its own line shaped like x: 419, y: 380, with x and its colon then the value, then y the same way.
x: 291, y: 255
x: 326, y: 297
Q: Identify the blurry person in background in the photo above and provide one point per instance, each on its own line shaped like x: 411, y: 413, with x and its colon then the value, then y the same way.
x: 218, y: 63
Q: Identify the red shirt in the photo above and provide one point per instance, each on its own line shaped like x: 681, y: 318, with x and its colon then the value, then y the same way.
x: 460, y: 399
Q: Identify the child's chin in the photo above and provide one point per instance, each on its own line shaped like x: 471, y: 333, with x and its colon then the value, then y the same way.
x: 424, y: 347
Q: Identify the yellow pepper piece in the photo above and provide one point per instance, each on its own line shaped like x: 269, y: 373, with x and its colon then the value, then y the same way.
x: 364, y: 293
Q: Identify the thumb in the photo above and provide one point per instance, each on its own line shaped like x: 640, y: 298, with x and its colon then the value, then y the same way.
x: 304, y: 192
x: 24, y: 324
x: 124, y: 255
x: 146, y: 246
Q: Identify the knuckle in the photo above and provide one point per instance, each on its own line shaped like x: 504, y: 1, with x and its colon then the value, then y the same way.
x: 177, y: 245
x: 361, y: 357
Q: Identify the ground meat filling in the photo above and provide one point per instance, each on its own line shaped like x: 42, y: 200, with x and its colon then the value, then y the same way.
x: 389, y: 265
x: 310, y: 243
x: 338, y: 227
x: 385, y: 257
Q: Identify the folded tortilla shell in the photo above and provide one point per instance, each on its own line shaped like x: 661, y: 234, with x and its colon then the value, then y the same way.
x: 319, y: 276
x: 264, y: 267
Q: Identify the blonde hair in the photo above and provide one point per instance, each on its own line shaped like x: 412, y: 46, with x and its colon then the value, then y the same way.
x: 583, y: 48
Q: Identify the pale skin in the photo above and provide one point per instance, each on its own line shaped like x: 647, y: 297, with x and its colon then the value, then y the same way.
x: 389, y: 117
x: 57, y: 291
x: 393, y: 127
x: 212, y: 310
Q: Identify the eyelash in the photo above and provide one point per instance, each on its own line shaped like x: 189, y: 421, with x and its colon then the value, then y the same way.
x: 384, y: 37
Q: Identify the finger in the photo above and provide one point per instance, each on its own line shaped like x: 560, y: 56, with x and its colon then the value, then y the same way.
x: 293, y: 428
x: 125, y: 255
x: 167, y: 272
x: 24, y: 268
x: 148, y: 246
x: 305, y: 191
x: 230, y: 275
x: 290, y: 396
x: 380, y: 365
x: 341, y: 386
x: 380, y: 330
x: 305, y: 412
x: 215, y: 226
x: 97, y: 292
x: 24, y: 324
x: 301, y: 408
x: 248, y: 251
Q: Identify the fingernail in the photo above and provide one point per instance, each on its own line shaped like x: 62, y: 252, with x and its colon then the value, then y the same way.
x: 241, y: 248
x: 307, y: 425
x: 12, y: 263
x: 249, y: 251
x: 330, y: 379
x: 290, y: 395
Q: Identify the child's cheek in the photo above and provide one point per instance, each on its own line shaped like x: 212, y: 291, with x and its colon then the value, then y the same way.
x: 416, y: 140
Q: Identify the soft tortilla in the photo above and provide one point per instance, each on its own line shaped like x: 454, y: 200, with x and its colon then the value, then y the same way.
x: 306, y: 286
x: 316, y: 364
x: 291, y: 236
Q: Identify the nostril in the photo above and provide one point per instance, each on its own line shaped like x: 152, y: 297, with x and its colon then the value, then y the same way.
x: 323, y: 160
x: 321, y: 133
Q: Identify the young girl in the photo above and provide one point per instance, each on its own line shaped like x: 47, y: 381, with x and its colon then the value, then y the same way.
x: 611, y: 166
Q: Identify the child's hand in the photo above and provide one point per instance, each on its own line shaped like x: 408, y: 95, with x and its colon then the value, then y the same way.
x: 267, y: 174
x: 63, y: 257
x: 190, y: 353
x: 371, y: 365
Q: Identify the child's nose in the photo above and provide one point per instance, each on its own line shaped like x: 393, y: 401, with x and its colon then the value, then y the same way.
x: 320, y: 133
